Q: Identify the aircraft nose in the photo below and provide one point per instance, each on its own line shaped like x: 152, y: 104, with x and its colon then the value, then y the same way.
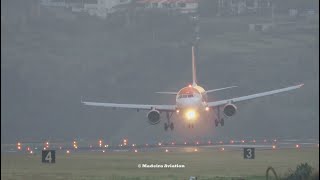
x: 187, y: 102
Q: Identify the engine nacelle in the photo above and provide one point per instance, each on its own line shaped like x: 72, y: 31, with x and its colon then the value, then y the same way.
x: 153, y: 117
x: 229, y: 110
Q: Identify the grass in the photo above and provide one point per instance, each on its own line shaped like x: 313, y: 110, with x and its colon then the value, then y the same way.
x: 206, y: 164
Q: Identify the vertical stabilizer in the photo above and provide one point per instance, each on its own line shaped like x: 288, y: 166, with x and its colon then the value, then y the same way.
x: 194, y: 75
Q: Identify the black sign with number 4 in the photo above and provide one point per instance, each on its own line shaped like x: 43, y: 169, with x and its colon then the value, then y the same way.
x: 48, y: 156
x: 248, y: 153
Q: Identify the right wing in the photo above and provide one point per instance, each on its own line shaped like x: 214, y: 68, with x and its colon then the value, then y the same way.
x: 253, y: 96
x: 132, y: 106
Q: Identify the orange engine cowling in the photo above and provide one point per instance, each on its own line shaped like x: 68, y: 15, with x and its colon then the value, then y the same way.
x: 229, y: 110
x: 153, y: 117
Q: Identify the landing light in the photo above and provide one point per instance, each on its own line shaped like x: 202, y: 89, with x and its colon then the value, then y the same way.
x: 297, y: 146
x: 178, y: 111
x: 274, y: 147
x: 191, y: 114
x: 207, y: 108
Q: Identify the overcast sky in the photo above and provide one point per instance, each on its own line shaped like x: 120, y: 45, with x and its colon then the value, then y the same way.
x: 50, y: 61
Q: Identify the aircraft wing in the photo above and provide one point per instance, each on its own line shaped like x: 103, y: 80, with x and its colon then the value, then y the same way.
x: 253, y: 96
x: 132, y: 106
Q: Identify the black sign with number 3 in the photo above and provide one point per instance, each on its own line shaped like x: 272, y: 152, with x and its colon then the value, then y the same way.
x: 248, y: 153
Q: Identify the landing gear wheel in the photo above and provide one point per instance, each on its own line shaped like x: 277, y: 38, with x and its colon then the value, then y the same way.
x: 171, y: 126
x: 191, y: 125
x: 216, y: 122
x: 222, y: 122
x: 166, y: 126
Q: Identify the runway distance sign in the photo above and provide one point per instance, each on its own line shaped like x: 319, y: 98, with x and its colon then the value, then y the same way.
x: 48, y: 156
x: 248, y: 153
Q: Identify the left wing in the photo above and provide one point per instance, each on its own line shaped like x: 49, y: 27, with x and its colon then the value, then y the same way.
x: 132, y: 106
x: 253, y: 96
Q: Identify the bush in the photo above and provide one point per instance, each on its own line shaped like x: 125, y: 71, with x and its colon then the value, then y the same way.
x: 302, y: 172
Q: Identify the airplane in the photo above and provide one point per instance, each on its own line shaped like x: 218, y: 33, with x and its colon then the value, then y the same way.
x: 191, y: 103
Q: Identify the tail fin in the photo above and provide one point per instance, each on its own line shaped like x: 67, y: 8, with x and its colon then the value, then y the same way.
x: 194, y: 75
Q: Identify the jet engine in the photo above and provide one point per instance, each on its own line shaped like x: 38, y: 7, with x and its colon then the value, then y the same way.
x: 229, y: 110
x: 153, y: 117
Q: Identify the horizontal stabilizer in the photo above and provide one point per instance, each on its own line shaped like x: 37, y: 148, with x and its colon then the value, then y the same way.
x: 171, y: 93
x: 214, y: 90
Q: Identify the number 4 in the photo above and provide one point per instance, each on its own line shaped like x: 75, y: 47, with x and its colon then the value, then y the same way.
x: 48, y: 157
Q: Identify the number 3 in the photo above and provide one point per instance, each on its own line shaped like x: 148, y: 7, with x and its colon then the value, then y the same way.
x: 48, y: 157
x: 249, y: 155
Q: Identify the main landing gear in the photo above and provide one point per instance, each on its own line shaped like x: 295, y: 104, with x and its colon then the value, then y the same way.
x: 216, y: 122
x: 219, y: 120
x: 168, y: 124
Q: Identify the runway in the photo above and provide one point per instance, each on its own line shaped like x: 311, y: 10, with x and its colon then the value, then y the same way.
x: 229, y: 145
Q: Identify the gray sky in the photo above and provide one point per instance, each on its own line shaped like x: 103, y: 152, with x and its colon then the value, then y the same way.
x: 48, y: 63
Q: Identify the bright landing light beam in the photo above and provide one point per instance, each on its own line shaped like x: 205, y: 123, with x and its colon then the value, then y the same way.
x: 191, y: 114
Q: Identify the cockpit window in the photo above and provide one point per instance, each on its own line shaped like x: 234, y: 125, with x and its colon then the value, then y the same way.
x: 185, y: 96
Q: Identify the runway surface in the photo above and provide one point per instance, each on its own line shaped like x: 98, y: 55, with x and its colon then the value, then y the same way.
x: 230, y: 145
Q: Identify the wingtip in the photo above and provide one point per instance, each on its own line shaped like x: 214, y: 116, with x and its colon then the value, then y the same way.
x: 300, y: 85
